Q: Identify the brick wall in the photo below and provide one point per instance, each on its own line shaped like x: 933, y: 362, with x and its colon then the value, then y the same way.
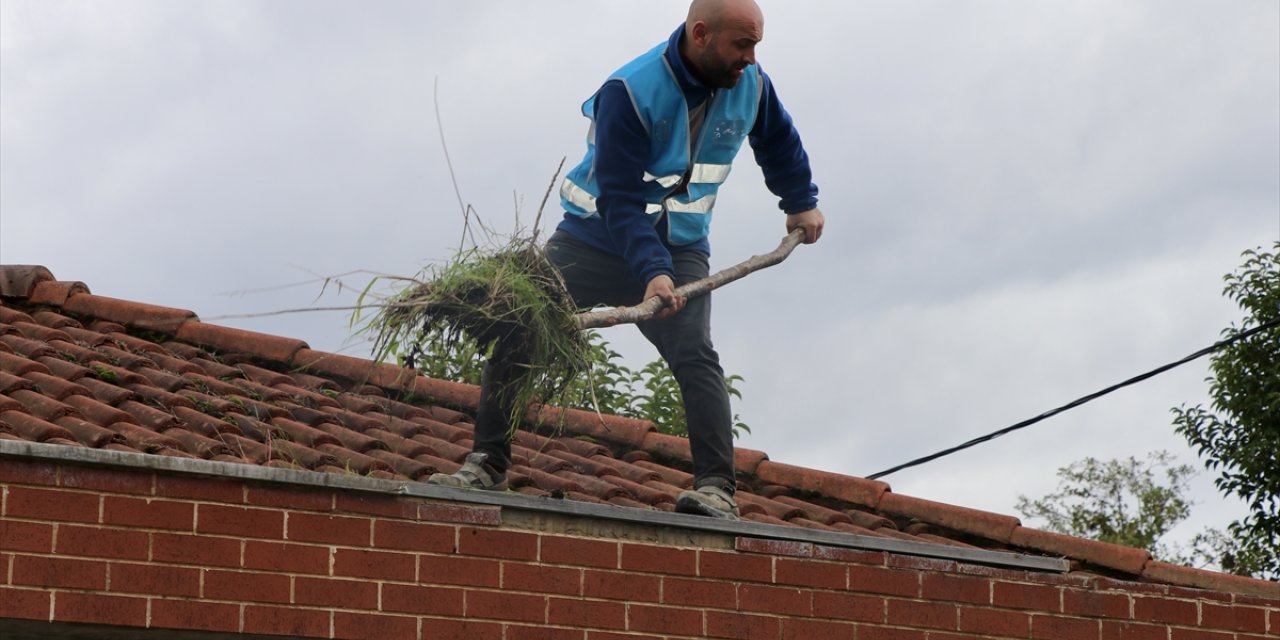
x: 124, y: 547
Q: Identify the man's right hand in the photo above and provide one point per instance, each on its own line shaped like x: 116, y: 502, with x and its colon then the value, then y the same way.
x: 665, y: 288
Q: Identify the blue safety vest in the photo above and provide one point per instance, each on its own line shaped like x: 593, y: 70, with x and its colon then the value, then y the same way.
x: 660, y: 103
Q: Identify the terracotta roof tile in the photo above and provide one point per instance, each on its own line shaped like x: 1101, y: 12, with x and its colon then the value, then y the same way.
x: 83, y: 370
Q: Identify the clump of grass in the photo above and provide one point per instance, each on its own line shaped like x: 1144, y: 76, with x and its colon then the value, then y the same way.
x: 510, y: 302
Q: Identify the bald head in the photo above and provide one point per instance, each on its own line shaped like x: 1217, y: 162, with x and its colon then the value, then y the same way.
x: 715, y: 13
x: 720, y: 39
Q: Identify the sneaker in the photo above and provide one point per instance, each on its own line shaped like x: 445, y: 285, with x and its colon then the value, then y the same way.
x: 476, y: 473
x: 708, y: 500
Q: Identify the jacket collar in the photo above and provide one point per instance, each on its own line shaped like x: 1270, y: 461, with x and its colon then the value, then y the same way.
x: 695, y: 91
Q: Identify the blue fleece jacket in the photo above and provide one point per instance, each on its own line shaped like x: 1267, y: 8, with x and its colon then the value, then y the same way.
x: 622, y: 149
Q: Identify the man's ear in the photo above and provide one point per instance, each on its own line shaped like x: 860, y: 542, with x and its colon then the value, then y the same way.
x: 701, y: 33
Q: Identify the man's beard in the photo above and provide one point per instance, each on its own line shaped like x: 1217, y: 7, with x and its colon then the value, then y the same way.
x: 716, y: 72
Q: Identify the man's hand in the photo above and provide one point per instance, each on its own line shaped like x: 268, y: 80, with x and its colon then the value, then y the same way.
x: 664, y: 287
x: 811, y: 221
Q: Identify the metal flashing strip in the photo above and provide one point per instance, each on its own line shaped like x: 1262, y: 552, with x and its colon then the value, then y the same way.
x: 139, y: 461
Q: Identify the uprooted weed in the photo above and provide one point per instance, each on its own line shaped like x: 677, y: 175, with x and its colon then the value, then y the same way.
x: 511, y: 302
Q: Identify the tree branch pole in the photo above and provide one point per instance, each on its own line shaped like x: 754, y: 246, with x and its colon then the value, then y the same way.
x: 651, y: 307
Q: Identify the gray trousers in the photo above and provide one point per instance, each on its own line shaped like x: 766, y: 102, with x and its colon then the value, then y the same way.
x: 683, y: 340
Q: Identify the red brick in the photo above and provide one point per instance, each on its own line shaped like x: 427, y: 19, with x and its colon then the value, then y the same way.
x: 848, y: 606
x: 1165, y: 610
x: 800, y: 629
x: 742, y: 626
x: 955, y: 588
x: 154, y: 579
x: 239, y: 521
x: 516, y: 632
x: 699, y: 593
x: 246, y: 587
x: 51, y: 504
x: 203, y: 488
x: 883, y: 633
x: 996, y: 622
x: 666, y: 620
x: 920, y: 563
x: 495, y: 543
x: 429, y: 601
x: 459, y: 514
x: 543, y: 579
x: 1178, y: 633
x: 1061, y: 628
x: 59, y: 572
x: 71, y: 606
x: 148, y: 513
x: 327, y: 529
x: 502, y: 605
x: 287, y: 621
x: 22, y: 472
x: 187, y: 614
x: 98, y: 542
x: 932, y: 615
x: 1026, y: 596
x: 378, y: 565
x: 296, y: 499
x: 811, y: 573
x: 779, y: 600
x: 363, y: 626
x: 474, y: 572
x: 735, y: 566
x: 609, y: 635
x: 437, y: 629
x: 997, y: 573
x: 664, y: 560
x: 343, y: 594
x: 413, y: 536
x: 579, y: 552
x: 285, y: 557
x: 1133, y: 631
x: 1095, y: 604
x: 105, y: 480
x: 791, y: 548
x: 587, y: 613
x: 614, y: 585
x: 1216, y: 616
x: 36, y: 537
x: 855, y: 556
x: 205, y: 551
x: 383, y: 505
x: 27, y: 604
x: 887, y: 581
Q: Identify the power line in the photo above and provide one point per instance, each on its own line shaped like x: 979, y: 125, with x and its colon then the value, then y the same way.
x: 1075, y: 403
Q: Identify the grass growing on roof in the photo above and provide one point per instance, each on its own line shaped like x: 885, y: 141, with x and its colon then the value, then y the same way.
x: 508, y: 303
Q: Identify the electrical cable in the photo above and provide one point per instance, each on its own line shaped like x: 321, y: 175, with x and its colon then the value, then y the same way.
x: 1075, y: 403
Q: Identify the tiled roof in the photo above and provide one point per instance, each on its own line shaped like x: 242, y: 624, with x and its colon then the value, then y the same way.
x: 84, y: 370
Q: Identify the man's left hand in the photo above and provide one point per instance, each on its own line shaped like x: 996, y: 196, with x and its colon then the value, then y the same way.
x: 811, y: 221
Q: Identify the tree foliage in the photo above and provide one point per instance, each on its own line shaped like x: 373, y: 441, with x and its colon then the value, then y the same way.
x: 1239, y: 436
x: 1130, y: 502
x: 608, y: 386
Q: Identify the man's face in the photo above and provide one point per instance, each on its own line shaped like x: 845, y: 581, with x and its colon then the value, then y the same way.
x: 729, y: 50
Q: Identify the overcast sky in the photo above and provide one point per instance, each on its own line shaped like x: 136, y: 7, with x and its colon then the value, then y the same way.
x: 1026, y: 201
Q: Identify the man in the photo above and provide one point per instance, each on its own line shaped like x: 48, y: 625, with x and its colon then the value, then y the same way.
x: 665, y: 129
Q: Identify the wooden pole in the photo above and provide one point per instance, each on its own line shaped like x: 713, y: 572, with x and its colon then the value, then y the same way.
x: 649, y: 308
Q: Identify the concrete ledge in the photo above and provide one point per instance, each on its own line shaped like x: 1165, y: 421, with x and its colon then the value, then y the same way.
x: 651, y: 520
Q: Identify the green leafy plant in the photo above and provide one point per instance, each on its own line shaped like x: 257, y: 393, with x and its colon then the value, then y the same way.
x: 1130, y: 502
x: 509, y: 304
x: 1239, y: 437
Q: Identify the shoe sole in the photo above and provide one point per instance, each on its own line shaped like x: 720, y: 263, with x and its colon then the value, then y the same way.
x: 695, y: 507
